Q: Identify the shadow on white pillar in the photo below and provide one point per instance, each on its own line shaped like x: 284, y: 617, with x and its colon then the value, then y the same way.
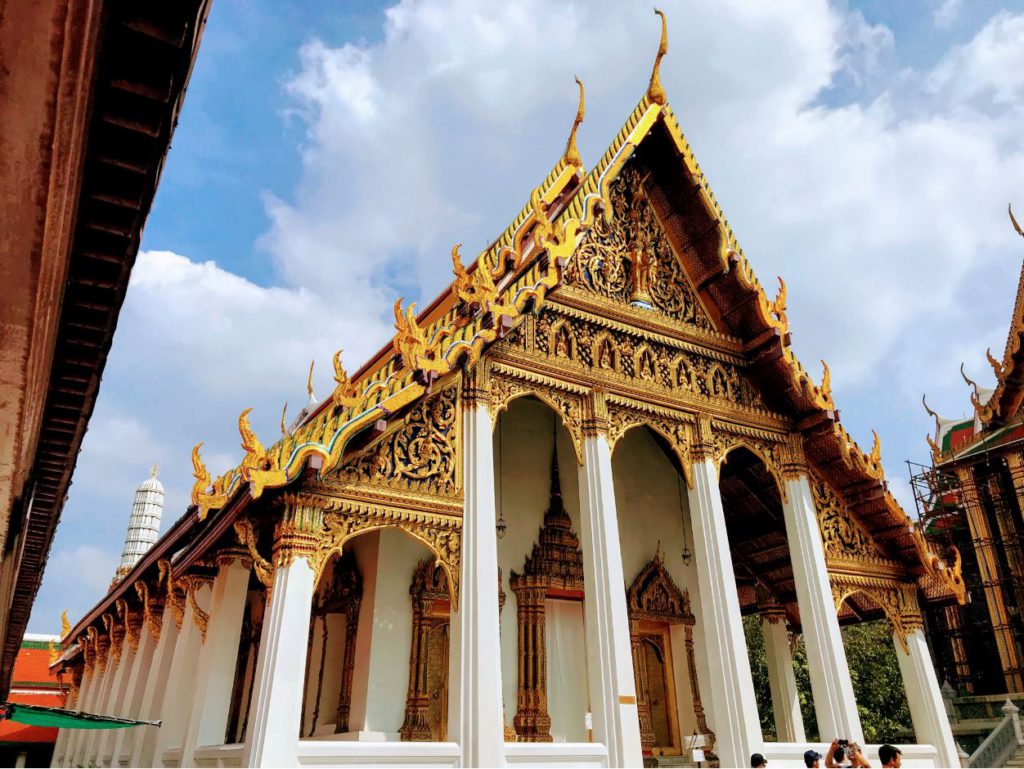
x: 181, y: 681
x: 732, y: 704
x: 834, y: 701
x: 789, y: 722
x: 134, y: 689
x: 475, y: 716
x: 273, y: 734
x: 609, y: 651
x: 927, y: 711
x: 154, y: 687
x: 218, y: 658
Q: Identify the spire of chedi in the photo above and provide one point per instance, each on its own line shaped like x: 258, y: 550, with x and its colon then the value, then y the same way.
x: 144, y: 524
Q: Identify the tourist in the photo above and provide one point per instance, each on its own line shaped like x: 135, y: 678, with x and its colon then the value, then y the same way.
x: 889, y: 755
x: 757, y: 761
x: 812, y: 759
x: 842, y: 753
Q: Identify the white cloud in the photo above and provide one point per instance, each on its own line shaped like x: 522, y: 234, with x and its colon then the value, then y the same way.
x: 884, y: 216
x: 947, y: 12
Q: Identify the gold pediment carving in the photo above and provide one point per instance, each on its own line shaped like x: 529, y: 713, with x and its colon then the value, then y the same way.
x: 627, y: 259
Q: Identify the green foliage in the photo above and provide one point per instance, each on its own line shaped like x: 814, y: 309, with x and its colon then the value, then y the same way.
x: 877, y: 683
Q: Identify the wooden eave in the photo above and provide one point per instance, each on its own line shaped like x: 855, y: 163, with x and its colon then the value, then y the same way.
x: 146, y: 54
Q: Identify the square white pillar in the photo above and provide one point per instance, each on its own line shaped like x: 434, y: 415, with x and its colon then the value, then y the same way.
x: 116, y: 701
x: 134, y: 689
x: 609, y: 650
x: 733, y: 707
x: 273, y: 733
x: 176, y: 704
x: 60, y: 748
x: 218, y: 657
x: 789, y: 723
x: 154, y: 685
x: 834, y: 702
x: 927, y: 711
x: 102, y: 707
x: 475, y: 716
x: 91, y: 681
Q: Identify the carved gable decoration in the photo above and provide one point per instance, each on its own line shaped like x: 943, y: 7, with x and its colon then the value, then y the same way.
x: 654, y: 596
x: 630, y: 260
x: 843, y: 536
x: 421, y: 455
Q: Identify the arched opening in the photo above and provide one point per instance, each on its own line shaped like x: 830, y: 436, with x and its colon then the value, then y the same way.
x: 544, y: 675
x: 878, y: 684
x: 756, y: 529
x: 656, y: 544
x: 377, y: 654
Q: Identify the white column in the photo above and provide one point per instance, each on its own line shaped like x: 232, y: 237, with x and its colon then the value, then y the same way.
x: 218, y: 657
x: 732, y: 704
x: 60, y: 748
x: 789, y: 724
x: 154, y: 688
x: 273, y: 734
x: 609, y: 652
x: 116, y: 704
x: 176, y: 704
x: 931, y: 725
x: 133, y: 693
x: 834, y: 702
x: 102, y: 708
x: 475, y: 713
x: 90, y: 685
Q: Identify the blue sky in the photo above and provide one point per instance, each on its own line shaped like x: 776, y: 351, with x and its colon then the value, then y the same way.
x: 329, y: 154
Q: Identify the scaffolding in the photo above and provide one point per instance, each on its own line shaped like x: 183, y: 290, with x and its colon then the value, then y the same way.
x: 964, y: 636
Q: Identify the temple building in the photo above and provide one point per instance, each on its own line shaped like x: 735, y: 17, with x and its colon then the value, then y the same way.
x: 972, y: 499
x: 526, y: 532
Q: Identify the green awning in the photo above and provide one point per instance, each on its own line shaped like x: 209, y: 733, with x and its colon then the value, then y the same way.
x: 36, y: 715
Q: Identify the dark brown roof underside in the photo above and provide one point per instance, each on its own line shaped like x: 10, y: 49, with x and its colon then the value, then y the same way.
x: 146, y: 52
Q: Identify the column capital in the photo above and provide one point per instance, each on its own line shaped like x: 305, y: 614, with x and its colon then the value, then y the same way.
x: 152, y: 608
x: 706, y: 443
x: 297, y: 533
x: 476, y: 386
x: 794, y: 462
x: 595, y: 414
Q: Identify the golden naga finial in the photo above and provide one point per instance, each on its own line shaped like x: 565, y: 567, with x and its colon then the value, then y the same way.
x: 346, y: 394
x: 200, y: 473
x: 876, y: 450
x: 309, y: 380
x: 543, y: 229
x: 477, y: 290
x: 936, y: 449
x: 779, y: 304
x: 1009, y: 207
x: 826, y: 380
x: 54, y: 653
x: 654, y: 91
x: 572, y: 153
x: 65, y: 626
x: 410, y: 342
x: 255, y: 454
x: 997, y: 367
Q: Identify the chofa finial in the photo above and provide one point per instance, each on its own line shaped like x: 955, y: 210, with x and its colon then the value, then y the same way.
x: 309, y: 380
x: 1009, y: 208
x: 572, y: 153
x: 654, y: 91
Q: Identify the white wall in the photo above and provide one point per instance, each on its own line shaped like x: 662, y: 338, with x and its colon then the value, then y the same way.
x: 651, y: 508
x: 522, y: 464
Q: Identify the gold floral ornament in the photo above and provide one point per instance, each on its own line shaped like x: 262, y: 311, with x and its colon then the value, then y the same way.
x: 572, y: 153
x: 654, y: 91
x: 543, y: 230
x: 418, y: 354
x: 346, y: 392
x: 54, y: 652
x: 203, y: 500
x: 950, y: 574
x: 65, y: 626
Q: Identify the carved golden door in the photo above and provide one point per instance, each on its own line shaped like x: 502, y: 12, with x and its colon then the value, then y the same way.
x: 426, y: 706
x: 655, y: 604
